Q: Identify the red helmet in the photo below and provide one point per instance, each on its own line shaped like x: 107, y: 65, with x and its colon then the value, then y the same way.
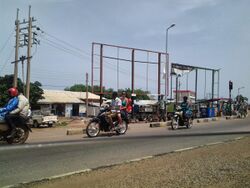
x: 13, y: 92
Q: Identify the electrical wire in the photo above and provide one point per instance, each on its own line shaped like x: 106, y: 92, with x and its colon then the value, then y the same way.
x: 77, y: 52
x: 65, y: 48
x: 6, y: 42
x: 6, y: 62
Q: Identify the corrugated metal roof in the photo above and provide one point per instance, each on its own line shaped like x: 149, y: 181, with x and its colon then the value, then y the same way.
x: 57, y: 96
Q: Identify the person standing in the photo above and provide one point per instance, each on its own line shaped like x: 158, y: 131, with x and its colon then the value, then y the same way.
x: 162, y: 108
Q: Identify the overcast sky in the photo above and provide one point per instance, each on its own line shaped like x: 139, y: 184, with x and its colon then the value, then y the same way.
x: 208, y: 33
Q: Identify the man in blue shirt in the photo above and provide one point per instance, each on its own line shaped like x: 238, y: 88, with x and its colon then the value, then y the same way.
x: 10, y: 106
x: 185, y: 106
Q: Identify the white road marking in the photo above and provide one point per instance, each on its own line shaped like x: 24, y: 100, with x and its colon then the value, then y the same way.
x: 185, y: 149
x: 109, y: 165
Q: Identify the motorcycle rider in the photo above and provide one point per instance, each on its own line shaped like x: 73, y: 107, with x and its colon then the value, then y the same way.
x: 116, y: 104
x: 19, y: 114
x: 185, y: 106
x: 11, y: 105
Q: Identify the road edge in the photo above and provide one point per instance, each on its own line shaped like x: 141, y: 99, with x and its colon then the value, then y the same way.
x: 46, y: 179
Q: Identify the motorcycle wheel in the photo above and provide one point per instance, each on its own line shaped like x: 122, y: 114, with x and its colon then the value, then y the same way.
x: 175, y: 123
x: 122, y: 129
x: 93, y: 129
x: 22, y: 134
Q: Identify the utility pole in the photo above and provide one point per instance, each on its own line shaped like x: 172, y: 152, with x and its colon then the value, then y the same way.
x: 87, y: 94
x: 22, y: 59
x: 24, y: 39
x: 16, y: 52
x: 28, y: 55
x: 230, y: 96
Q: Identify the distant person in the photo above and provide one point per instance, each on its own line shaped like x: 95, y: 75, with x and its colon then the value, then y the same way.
x: 162, y: 108
x: 129, y: 106
x: 124, y: 101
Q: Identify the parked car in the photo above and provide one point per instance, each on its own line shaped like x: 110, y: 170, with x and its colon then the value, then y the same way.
x: 39, y: 119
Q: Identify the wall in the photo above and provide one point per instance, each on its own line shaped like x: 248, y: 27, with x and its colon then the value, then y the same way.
x: 68, y: 109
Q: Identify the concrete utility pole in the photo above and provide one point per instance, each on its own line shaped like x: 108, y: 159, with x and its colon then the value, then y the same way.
x: 87, y: 94
x: 28, y: 55
x: 22, y: 59
x: 167, y: 64
x: 16, y: 52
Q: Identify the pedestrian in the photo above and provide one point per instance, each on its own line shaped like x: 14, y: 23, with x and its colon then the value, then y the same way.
x: 162, y: 108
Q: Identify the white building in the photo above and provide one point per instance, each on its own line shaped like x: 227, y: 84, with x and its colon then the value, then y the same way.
x: 68, y: 103
x: 181, y: 93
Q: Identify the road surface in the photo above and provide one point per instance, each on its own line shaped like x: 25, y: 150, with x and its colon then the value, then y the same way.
x: 35, y: 161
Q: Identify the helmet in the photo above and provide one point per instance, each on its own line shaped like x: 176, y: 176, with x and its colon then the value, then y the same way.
x: 13, y: 92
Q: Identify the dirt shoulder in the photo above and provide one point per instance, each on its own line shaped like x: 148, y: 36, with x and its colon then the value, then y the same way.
x: 223, y: 165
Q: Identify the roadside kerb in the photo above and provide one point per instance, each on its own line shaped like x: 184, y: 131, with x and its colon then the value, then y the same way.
x: 84, y: 171
x: 205, y: 120
x: 74, y: 131
x: 231, y: 117
x: 160, y: 124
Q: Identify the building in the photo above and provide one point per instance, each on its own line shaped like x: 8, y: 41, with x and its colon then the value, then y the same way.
x: 68, y: 103
x: 181, y: 93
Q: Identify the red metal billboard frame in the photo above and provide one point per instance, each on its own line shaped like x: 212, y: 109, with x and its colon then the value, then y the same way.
x: 132, y: 60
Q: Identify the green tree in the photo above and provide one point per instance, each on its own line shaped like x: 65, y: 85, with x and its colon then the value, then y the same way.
x: 36, y: 93
x: 6, y: 83
x: 140, y: 94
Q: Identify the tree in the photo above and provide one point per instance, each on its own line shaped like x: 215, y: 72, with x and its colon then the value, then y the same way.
x: 6, y: 82
x: 77, y: 87
x: 140, y: 94
x: 36, y: 93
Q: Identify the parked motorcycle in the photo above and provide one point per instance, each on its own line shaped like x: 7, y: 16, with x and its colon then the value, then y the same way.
x: 180, y: 120
x: 100, y: 123
x: 22, y: 132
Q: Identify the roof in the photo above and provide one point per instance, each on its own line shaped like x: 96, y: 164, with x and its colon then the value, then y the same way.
x: 184, y: 91
x: 66, y: 97
x: 146, y: 102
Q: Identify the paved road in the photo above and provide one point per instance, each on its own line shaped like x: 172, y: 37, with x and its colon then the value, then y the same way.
x: 35, y: 161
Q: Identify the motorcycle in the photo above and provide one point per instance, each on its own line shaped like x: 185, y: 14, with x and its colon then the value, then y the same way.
x: 21, y: 135
x: 100, y: 123
x: 179, y: 119
x: 242, y: 111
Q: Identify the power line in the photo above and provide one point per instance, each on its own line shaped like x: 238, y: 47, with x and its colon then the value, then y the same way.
x: 62, y: 41
x: 64, y: 50
x: 6, y: 62
x: 67, y: 43
x: 64, y: 47
x: 6, y: 42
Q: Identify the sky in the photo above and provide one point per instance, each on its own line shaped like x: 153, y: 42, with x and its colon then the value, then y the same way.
x: 208, y: 33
